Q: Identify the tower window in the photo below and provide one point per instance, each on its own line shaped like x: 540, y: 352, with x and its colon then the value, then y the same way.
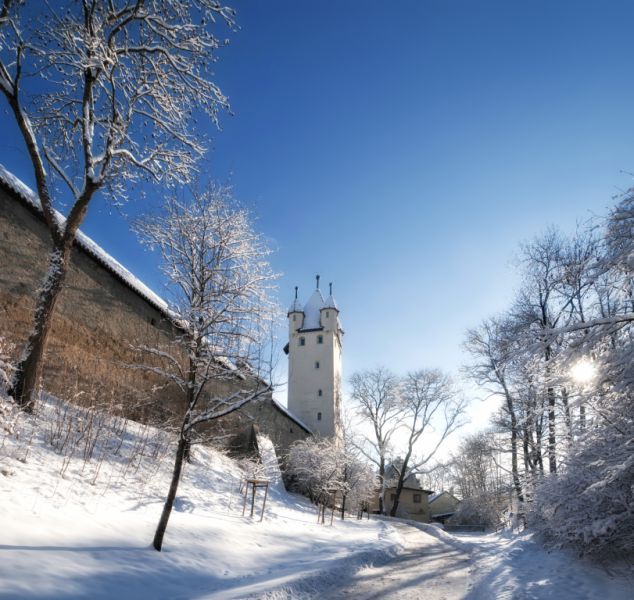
x: 327, y: 314
x: 416, y: 499
x: 320, y: 392
x: 319, y: 416
x: 316, y: 364
x: 294, y: 318
x: 320, y: 339
x: 302, y: 341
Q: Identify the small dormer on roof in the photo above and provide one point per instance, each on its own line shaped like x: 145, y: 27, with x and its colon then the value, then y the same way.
x: 296, y: 306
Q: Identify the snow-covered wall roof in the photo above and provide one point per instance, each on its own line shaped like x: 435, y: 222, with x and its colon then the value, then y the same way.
x: 88, y: 245
x: 290, y: 415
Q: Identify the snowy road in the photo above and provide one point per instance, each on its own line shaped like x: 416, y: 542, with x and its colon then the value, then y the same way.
x: 428, y: 567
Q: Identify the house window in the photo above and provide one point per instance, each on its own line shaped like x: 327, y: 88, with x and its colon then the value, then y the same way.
x: 319, y: 416
x: 320, y: 339
x: 302, y: 341
x: 320, y: 393
x: 152, y: 321
x: 291, y: 430
x: 416, y: 498
x: 316, y: 364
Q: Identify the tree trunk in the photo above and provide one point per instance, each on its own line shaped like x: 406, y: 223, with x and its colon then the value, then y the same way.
x: 552, y: 435
x: 343, y: 506
x: 516, y: 478
x: 382, y: 481
x: 169, y: 501
x: 539, y: 434
x: 552, y: 432
x: 528, y: 466
x: 567, y: 416
x: 397, y: 495
x: 29, y: 369
x: 399, y: 485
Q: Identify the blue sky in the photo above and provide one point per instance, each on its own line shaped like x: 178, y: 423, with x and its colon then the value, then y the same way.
x: 402, y: 150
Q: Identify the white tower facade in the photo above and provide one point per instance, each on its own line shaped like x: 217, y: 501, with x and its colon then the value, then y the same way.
x: 314, y: 363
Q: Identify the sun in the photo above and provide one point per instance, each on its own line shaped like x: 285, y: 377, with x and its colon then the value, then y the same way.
x: 583, y: 371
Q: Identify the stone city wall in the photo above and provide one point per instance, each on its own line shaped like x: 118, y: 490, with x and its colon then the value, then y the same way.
x: 98, y: 321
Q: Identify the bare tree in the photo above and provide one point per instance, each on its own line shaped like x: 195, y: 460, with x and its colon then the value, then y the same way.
x: 376, y: 395
x: 104, y: 94
x: 221, y: 281
x: 493, y: 351
x: 430, y: 404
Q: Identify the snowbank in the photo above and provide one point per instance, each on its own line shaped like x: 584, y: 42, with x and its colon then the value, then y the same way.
x: 508, y: 566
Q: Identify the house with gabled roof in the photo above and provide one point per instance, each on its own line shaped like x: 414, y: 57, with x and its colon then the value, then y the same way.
x: 442, y: 506
x: 414, y: 499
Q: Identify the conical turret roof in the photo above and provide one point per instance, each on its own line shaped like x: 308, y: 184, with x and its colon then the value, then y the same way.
x: 330, y: 301
x: 296, y: 306
x: 312, y: 316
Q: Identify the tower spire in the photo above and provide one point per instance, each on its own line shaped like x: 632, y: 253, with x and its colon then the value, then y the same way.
x: 317, y: 277
x: 330, y: 286
x: 296, y: 292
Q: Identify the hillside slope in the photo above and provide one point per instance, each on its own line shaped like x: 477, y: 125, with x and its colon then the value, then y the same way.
x: 80, y: 527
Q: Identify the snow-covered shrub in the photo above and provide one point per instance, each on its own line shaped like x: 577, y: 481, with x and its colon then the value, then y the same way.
x: 314, y: 466
x: 319, y: 468
x: 481, y: 510
x: 589, y: 504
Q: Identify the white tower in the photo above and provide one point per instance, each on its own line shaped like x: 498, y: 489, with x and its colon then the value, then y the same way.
x: 314, y: 363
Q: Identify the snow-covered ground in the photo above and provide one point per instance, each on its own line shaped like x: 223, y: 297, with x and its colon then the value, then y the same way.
x: 72, y: 527
x: 517, y: 567
x: 87, y: 534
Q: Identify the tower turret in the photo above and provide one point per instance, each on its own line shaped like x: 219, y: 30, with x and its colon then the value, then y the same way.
x: 314, y: 363
x: 295, y: 315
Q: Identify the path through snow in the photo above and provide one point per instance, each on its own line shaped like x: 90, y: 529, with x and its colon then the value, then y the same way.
x: 436, y: 565
x: 428, y: 567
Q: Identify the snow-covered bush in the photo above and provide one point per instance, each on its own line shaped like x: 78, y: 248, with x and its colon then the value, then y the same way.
x: 482, y: 510
x: 319, y: 467
x: 313, y: 467
x: 589, y: 504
